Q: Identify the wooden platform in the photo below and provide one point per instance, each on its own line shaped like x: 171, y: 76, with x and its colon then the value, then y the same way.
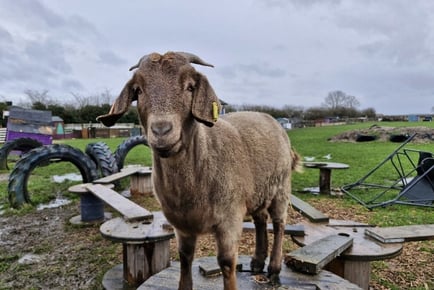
x: 168, y: 279
x: 354, y: 263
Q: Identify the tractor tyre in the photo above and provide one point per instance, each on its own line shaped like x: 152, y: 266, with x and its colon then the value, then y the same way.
x: 123, y: 148
x: 21, y: 144
x: 18, y: 179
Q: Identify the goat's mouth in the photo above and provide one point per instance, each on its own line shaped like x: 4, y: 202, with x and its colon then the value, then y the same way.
x: 166, y: 151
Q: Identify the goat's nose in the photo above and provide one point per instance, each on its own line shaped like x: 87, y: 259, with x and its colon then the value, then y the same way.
x: 161, y: 128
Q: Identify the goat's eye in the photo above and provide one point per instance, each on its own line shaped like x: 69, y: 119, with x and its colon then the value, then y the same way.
x: 190, y: 88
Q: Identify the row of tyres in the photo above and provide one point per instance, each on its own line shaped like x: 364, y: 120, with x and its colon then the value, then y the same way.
x: 97, y: 161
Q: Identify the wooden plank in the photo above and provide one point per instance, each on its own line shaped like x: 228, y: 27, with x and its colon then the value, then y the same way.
x: 308, y: 211
x: 293, y: 230
x: 402, y: 233
x: 313, y: 257
x: 119, y: 175
x: 130, y: 210
x: 210, y: 267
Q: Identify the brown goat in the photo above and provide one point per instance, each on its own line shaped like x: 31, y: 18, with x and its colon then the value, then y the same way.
x: 209, y: 174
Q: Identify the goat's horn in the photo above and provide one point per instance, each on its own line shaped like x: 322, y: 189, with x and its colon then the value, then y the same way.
x: 140, y: 61
x: 194, y: 59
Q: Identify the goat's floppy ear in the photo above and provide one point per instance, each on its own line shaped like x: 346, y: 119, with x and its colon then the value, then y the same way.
x: 206, y: 105
x: 121, y: 105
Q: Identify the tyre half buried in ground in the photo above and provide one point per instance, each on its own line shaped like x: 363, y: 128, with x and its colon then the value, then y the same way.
x: 17, y: 188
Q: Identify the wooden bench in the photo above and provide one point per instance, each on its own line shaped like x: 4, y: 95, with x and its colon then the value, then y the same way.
x: 140, y: 179
x: 145, y: 236
x: 129, y: 210
x: 91, y: 207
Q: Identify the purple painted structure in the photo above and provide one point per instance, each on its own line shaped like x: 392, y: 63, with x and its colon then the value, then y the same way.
x: 26, y: 123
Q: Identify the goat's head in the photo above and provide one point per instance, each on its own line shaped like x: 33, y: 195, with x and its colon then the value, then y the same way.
x: 171, y: 96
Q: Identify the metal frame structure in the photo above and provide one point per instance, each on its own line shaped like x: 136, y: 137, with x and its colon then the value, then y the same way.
x: 413, y: 183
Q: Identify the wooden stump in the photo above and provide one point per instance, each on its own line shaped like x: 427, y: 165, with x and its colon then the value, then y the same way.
x: 145, y: 250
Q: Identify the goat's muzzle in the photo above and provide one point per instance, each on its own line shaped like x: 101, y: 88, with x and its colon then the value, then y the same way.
x: 164, y: 139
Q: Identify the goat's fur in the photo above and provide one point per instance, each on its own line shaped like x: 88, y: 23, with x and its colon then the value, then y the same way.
x: 208, y: 175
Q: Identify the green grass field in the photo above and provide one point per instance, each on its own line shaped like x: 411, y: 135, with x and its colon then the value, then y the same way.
x: 362, y: 157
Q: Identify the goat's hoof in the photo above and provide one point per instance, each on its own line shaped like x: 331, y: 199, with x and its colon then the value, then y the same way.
x: 274, y: 279
x: 257, y: 267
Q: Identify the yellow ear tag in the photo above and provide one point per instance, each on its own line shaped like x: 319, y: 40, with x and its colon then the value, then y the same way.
x: 215, y: 111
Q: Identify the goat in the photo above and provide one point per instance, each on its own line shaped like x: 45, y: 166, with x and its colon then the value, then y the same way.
x: 209, y: 174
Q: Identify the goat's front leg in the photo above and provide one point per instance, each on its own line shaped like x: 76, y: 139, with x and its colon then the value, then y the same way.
x: 186, y: 247
x: 261, y: 247
x: 227, y: 256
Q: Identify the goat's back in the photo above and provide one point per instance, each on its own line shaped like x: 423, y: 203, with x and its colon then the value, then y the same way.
x: 269, y: 150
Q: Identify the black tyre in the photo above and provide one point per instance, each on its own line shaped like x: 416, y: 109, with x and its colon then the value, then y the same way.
x: 21, y: 144
x: 123, y: 148
x: 103, y: 158
x: 17, y: 187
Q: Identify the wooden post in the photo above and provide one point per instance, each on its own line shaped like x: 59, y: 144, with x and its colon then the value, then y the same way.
x: 141, y: 182
x: 358, y: 272
x: 141, y: 261
x: 91, y: 207
x: 325, y: 180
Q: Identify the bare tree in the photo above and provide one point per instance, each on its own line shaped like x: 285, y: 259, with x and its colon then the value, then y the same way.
x: 81, y: 101
x: 351, y: 102
x: 36, y: 96
x: 103, y: 98
x: 339, y: 99
x: 335, y: 99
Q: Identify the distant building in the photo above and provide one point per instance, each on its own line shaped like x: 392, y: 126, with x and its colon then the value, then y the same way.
x: 26, y: 123
x: 285, y: 123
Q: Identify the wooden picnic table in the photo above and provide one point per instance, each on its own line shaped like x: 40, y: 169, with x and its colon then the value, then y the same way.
x: 325, y: 173
x: 168, y: 279
x: 353, y: 264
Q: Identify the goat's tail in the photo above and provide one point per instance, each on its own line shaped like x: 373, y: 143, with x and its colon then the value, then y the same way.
x: 296, y: 161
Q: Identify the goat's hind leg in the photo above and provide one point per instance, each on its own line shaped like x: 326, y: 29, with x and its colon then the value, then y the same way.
x: 261, y: 247
x: 278, y: 213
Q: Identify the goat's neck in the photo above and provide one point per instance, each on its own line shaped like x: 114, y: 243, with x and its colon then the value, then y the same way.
x: 192, y: 158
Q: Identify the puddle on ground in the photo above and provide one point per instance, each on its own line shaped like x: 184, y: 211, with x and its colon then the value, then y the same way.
x: 58, y: 202
x: 68, y: 176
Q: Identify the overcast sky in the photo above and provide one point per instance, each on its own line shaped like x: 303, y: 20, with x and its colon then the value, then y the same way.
x: 268, y: 52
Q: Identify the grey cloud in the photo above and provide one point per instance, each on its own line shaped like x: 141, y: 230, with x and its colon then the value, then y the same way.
x: 109, y: 57
x: 262, y: 70
x: 72, y: 85
x: 5, y: 36
x: 49, y: 54
x: 249, y: 69
x: 32, y: 11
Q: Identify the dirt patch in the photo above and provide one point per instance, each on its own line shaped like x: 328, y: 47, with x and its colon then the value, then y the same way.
x: 384, y: 133
x: 67, y: 257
